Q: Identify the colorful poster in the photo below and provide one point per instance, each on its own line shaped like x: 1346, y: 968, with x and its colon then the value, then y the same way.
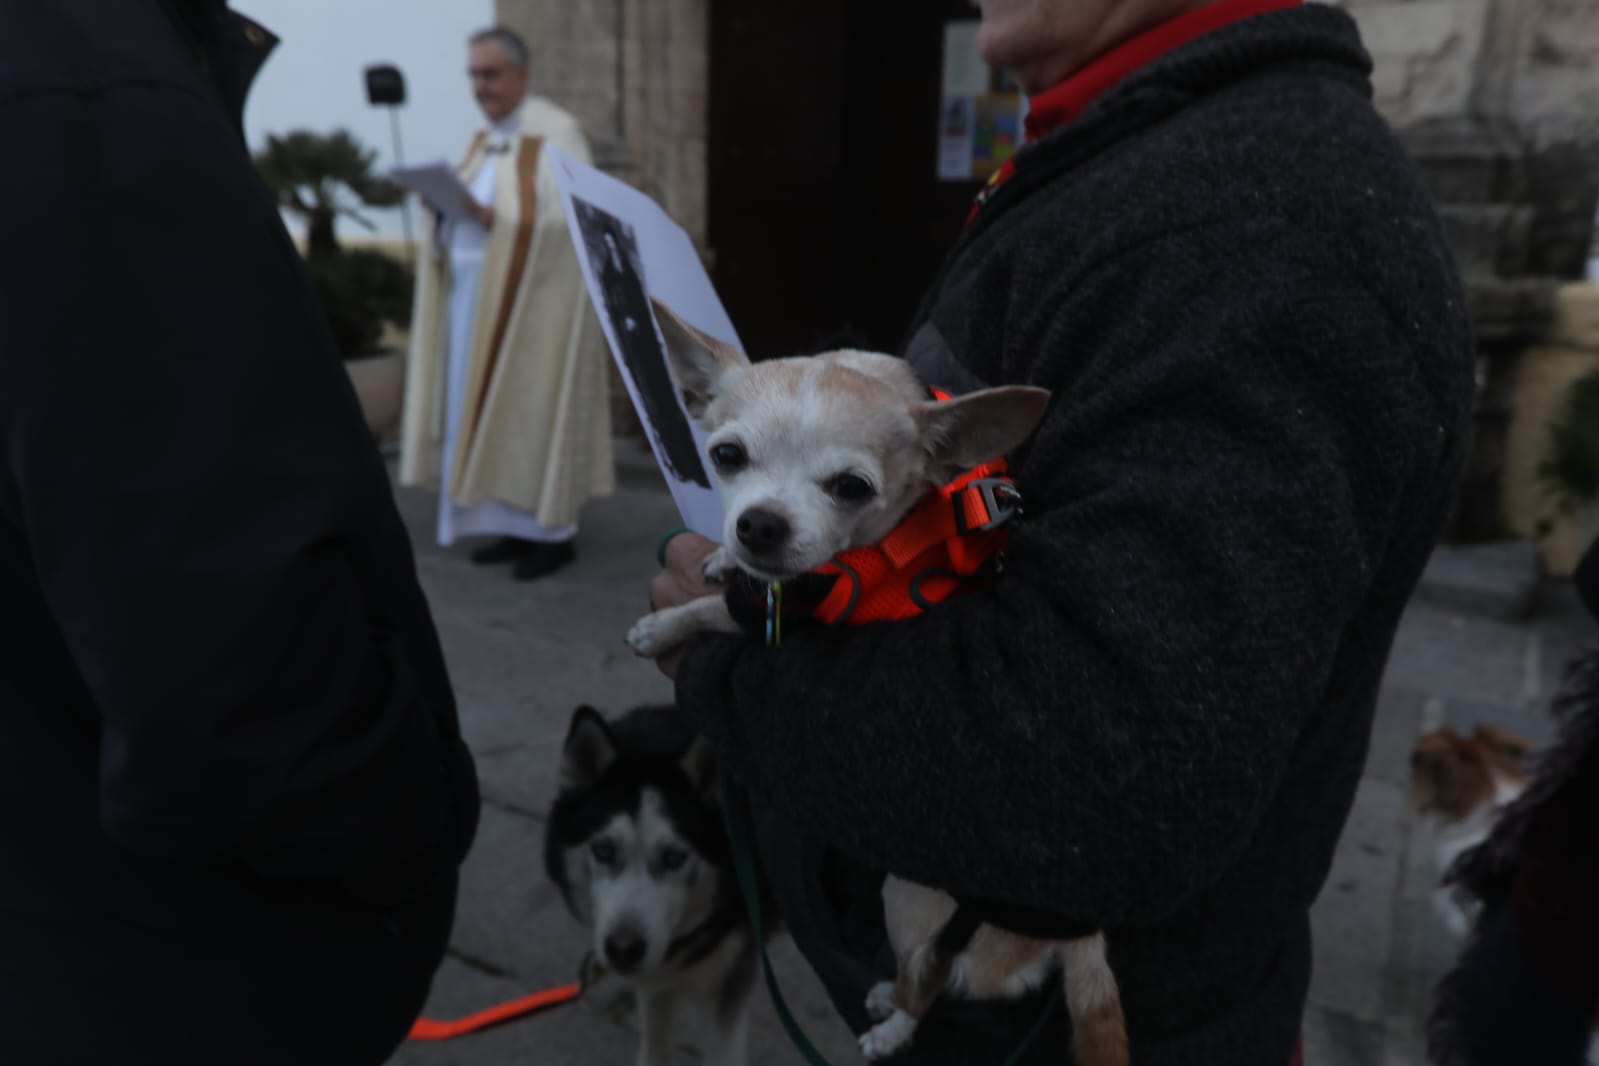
x: 980, y: 115
x: 965, y: 73
x: 956, y: 123
x: 997, y: 132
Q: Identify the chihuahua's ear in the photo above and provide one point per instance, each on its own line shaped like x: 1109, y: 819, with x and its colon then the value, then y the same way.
x: 978, y: 427
x: 588, y: 751
x: 698, y: 359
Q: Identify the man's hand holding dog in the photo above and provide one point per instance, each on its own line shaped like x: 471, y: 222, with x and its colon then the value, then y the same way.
x: 681, y: 581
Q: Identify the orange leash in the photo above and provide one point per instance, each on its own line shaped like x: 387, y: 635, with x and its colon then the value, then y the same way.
x: 537, y: 1003
x: 432, y: 1029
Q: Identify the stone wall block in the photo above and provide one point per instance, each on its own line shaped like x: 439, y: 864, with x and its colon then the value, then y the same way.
x: 1489, y: 240
x: 1563, y: 181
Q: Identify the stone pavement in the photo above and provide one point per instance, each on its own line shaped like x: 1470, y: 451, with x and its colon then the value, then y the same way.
x: 524, y: 655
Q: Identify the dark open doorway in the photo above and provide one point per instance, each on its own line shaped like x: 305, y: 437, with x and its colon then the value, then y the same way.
x: 825, y: 213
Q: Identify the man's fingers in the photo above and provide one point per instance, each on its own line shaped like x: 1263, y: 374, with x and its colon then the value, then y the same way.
x: 687, y: 551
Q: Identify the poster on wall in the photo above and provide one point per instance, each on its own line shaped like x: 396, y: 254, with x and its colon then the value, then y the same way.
x: 980, y: 113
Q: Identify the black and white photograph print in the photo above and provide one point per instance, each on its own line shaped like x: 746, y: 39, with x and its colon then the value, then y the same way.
x: 624, y: 294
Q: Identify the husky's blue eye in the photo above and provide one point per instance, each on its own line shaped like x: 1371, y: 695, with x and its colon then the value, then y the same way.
x: 729, y: 457
x: 604, y: 852
x: 672, y: 858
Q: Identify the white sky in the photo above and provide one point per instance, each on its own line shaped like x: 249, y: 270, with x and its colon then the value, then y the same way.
x: 314, y: 79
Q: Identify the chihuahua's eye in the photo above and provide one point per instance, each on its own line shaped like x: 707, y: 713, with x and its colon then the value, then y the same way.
x: 850, y: 488
x: 604, y: 852
x: 672, y: 859
x: 728, y: 457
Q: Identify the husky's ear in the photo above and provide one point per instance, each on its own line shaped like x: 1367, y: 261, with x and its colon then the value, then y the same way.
x: 588, y: 750
x: 699, y: 763
x: 981, y: 426
x: 698, y: 359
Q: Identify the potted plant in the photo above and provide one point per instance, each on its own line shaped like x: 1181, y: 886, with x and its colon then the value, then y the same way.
x: 1570, y: 466
x: 322, y: 178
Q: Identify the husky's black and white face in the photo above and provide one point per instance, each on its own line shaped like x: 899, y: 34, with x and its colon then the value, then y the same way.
x: 634, y: 839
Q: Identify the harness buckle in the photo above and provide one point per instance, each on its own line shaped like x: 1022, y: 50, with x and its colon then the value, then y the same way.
x: 999, y: 496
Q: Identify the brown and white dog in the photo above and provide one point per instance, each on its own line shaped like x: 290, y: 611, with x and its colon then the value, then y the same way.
x: 1464, y: 782
x: 818, y: 455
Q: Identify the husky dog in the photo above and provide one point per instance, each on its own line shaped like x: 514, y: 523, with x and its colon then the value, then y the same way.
x: 816, y: 456
x: 636, y: 846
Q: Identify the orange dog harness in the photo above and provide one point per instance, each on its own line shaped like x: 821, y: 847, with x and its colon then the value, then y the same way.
x: 948, y: 544
x: 950, y: 538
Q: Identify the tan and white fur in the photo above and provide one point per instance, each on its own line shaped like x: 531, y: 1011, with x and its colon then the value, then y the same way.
x: 817, y: 455
x: 1464, y: 782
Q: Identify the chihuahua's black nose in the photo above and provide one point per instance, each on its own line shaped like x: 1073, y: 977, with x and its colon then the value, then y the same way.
x: 624, y: 951
x: 760, y: 530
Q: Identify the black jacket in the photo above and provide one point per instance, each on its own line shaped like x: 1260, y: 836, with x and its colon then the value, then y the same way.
x: 233, y: 793
x: 1155, y: 719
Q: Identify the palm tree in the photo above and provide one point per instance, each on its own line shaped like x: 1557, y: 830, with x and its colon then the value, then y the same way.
x: 317, y: 176
x: 321, y: 177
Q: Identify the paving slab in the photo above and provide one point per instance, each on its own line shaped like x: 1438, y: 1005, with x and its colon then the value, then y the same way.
x: 1450, y: 653
x: 581, y: 1033
x: 523, y: 655
x: 1352, y: 919
x: 1498, y: 580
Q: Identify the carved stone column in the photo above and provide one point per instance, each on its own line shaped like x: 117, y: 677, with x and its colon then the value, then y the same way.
x: 635, y: 72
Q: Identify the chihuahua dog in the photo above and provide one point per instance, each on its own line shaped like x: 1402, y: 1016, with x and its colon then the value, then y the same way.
x: 818, y: 455
x: 1464, y: 782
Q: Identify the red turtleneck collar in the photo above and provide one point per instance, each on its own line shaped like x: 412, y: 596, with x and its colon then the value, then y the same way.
x: 1064, y: 101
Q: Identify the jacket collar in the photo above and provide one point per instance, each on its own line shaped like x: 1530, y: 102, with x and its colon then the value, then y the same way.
x: 243, y: 48
x: 230, y: 49
x: 1314, y: 33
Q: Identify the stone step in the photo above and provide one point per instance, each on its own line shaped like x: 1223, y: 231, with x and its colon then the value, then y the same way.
x: 1489, y: 240
x: 1466, y: 161
x: 1510, y: 312
x: 1493, y: 580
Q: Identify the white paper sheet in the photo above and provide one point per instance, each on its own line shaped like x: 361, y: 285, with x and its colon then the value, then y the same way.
x: 438, y: 184
x: 631, y: 250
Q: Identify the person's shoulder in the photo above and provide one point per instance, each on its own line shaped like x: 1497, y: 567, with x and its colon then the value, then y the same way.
x: 543, y: 117
x: 1274, y: 163
x: 84, y: 45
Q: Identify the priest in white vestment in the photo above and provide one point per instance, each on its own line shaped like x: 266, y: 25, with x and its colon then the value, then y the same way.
x: 507, y: 411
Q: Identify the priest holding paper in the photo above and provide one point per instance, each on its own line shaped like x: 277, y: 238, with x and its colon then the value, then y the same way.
x: 507, y: 410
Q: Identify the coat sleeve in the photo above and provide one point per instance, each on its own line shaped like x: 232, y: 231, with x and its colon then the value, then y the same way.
x: 209, y: 521
x: 1100, y: 732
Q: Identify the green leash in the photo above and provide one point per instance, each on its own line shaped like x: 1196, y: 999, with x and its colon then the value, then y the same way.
x: 736, y: 819
x: 735, y: 816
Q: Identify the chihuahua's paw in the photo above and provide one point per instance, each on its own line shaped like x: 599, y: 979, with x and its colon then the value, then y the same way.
x: 880, y: 1001
x: 718, y: 565
x: 653, y: 635
x: 888, y: 1037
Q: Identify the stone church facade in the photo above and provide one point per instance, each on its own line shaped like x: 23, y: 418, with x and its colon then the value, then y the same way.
x: 636, y: 72
x: 1498, y: 101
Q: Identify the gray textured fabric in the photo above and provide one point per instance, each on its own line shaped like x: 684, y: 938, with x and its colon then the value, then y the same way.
x: 1154, y: 721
